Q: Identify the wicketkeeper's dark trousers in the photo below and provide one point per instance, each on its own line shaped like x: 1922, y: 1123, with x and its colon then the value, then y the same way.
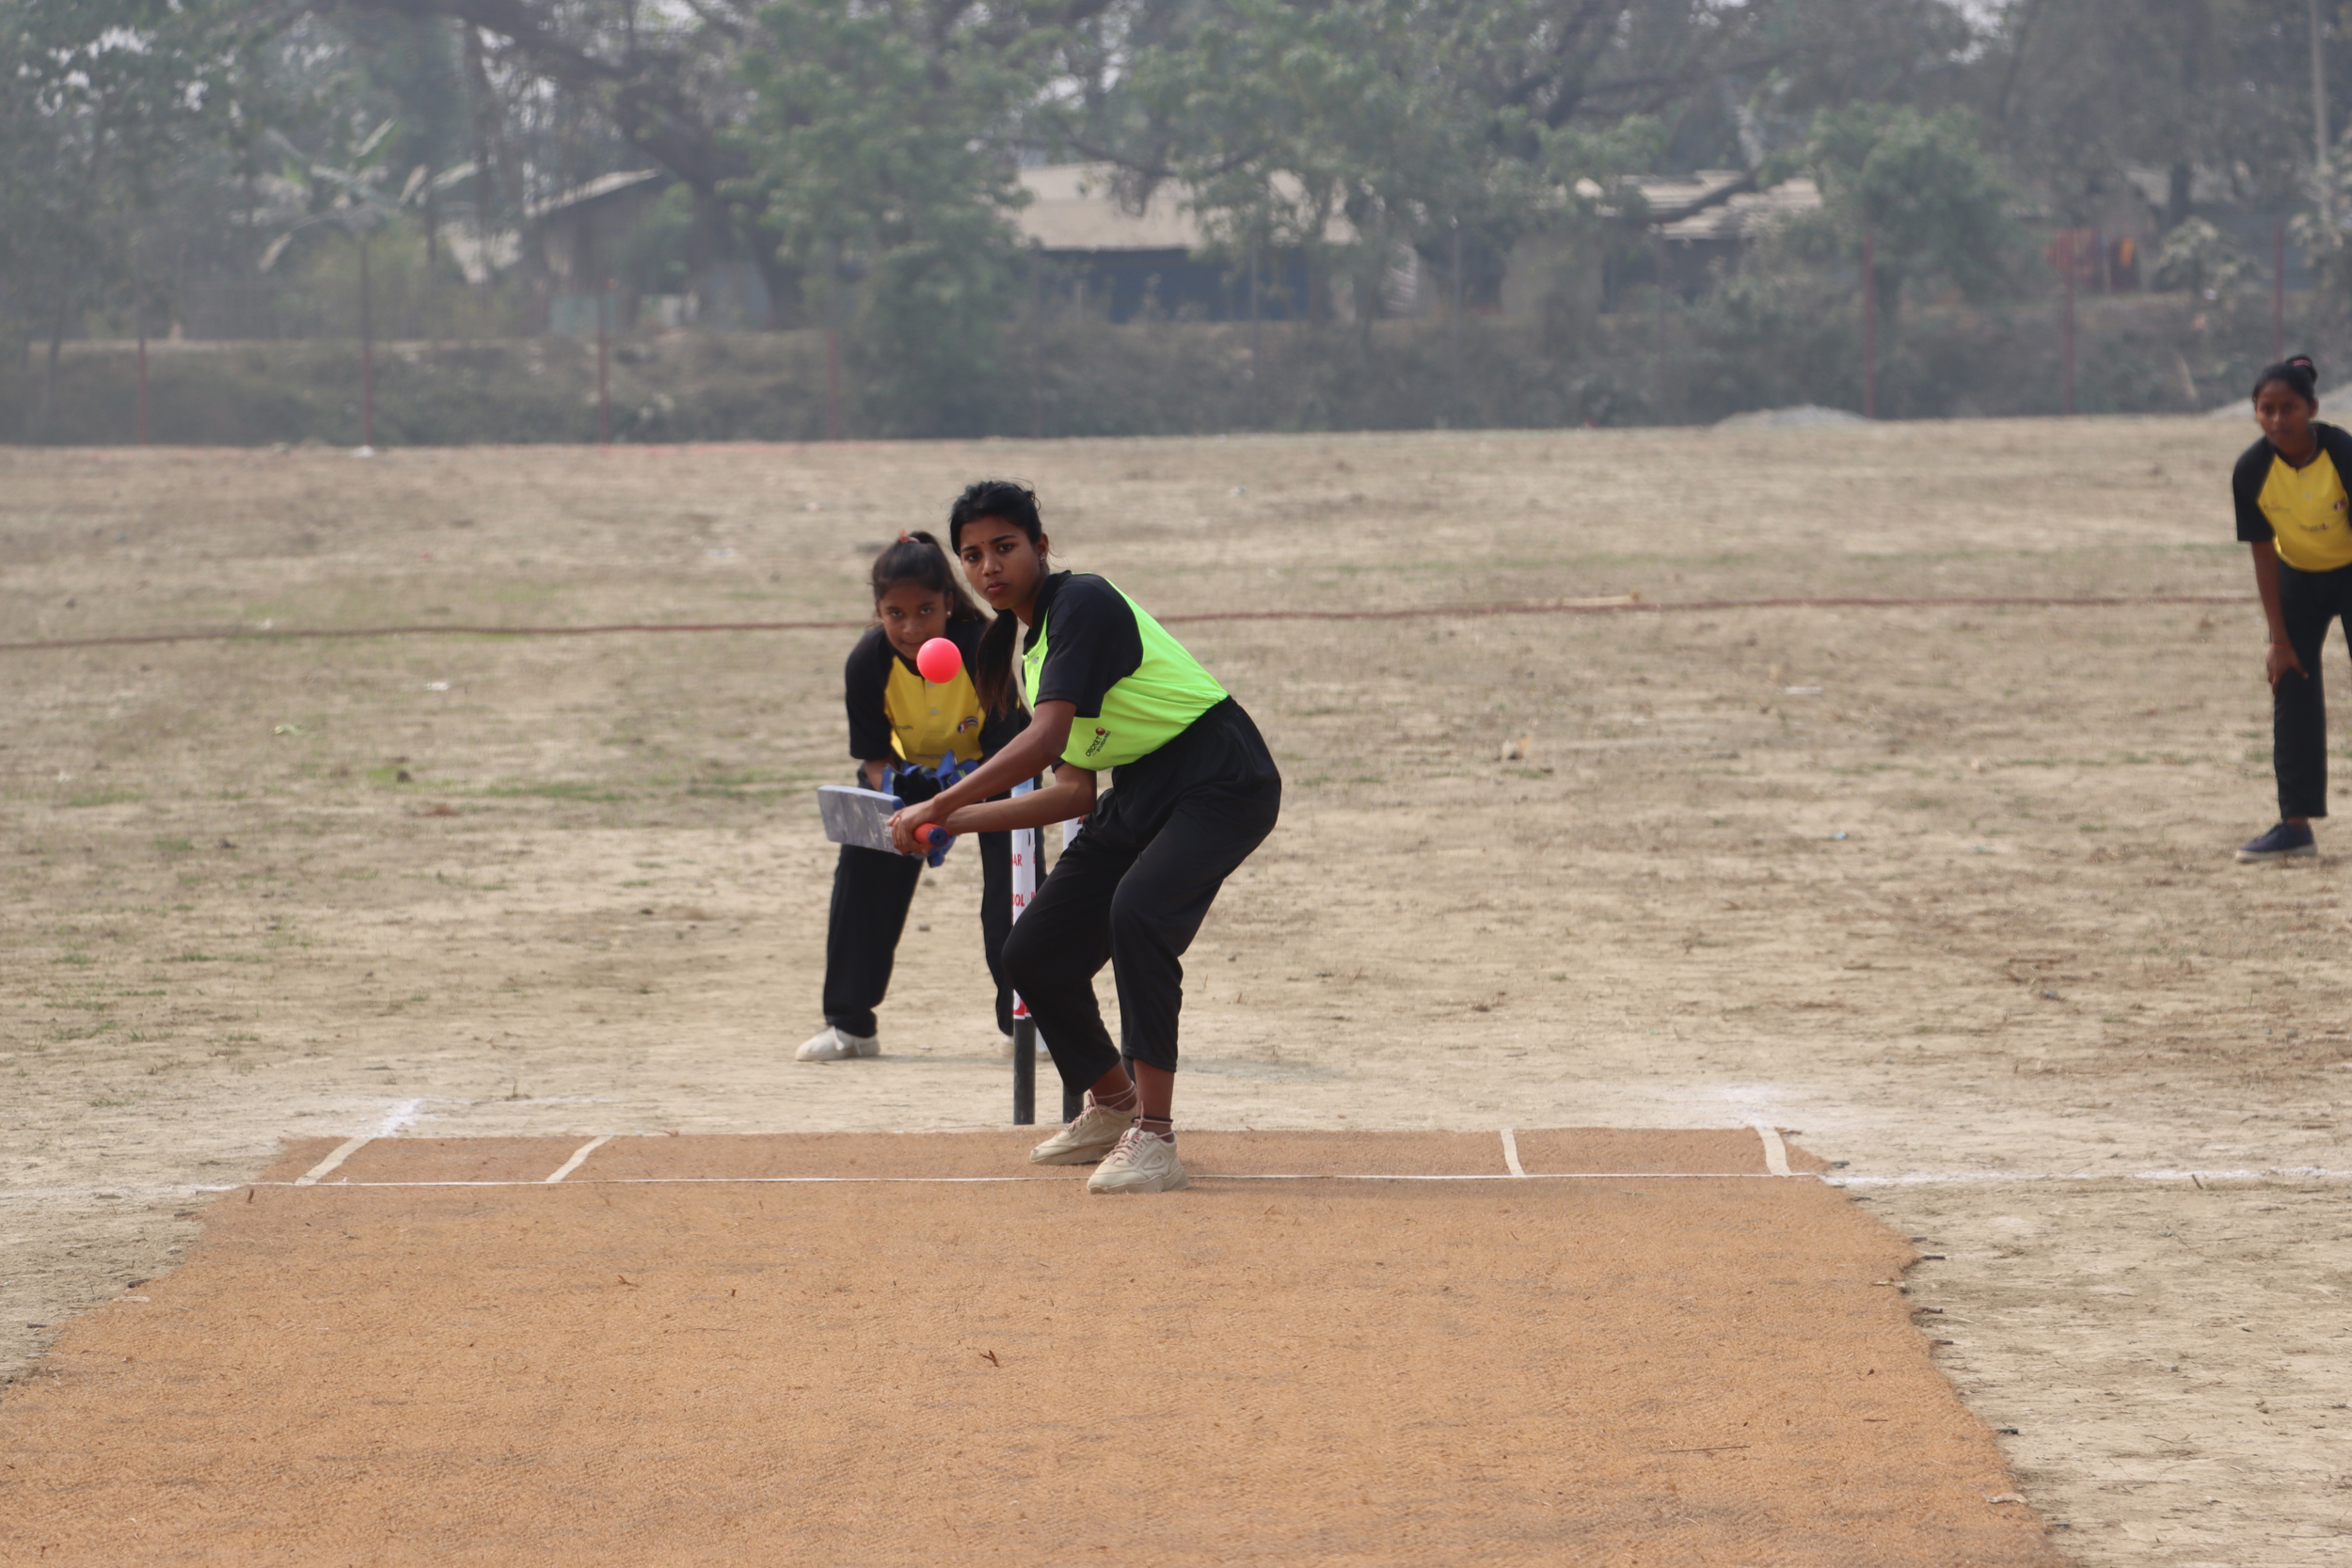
x: 872, y: 892
x: 2310, y: 602
x: 1132, y: 889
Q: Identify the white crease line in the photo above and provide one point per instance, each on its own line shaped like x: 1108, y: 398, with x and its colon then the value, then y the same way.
x: 406, y: 1112
x: 343, y: 1150
x: 1511, y: 1154
x: 1775, y: 1152
x: 981, y: 1180
x: 578, y: 1155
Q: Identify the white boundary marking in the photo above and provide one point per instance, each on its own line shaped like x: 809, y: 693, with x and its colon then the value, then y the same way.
x: 1511, y: 1154
x: 1775, y: 1152
x: 578, y: 1155
x: 400, y: 1115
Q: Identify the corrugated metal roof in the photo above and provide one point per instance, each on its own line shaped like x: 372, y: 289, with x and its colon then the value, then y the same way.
x: 1742, y: 215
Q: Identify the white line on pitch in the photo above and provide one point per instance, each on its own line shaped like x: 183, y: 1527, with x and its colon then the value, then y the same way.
x: 400, y: 1115
x: 1775, y: 1152
x: 578, y: 1155
x: 983, y: 1180
x: 1511, y: 1154
x: 343, y: 1150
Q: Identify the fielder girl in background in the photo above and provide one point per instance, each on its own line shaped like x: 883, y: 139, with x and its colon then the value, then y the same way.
x: 910, y: 737
x: 1195, y: 791
x: 2292, y: 510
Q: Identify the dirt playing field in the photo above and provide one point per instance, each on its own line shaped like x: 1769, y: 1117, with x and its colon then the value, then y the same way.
x: 1363, y: 1348
x: 1945, y: 886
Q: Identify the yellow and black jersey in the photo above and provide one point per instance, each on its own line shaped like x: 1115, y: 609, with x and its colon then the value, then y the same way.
x: 894, y: 712
x: 2303, y: 511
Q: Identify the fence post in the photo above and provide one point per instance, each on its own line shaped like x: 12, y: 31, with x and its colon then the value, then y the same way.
x: 833, y: 348
x: 138, y: 312
x: 1256, y: 368
x: 604, y: 360
x: 367, y: 353
x: 2066, y: 322
x: 1453, y: 326
x: 2279, y: 289
x: 1869, y: 325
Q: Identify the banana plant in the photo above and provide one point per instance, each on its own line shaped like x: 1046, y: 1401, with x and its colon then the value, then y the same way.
x: 349, y: 196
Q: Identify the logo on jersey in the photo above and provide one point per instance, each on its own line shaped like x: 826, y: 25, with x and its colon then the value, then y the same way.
x: 1101, y: 739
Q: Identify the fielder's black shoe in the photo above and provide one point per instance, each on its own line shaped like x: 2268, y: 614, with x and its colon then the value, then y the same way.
x: 2287, y: 841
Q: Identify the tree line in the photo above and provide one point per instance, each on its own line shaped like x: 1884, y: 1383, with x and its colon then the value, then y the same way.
x: 862, y: 153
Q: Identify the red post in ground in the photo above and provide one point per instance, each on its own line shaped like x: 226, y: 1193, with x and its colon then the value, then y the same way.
x: 367, y: 355
x: 1870, y: 325
x: 2066, y: 321
x: 140, y: 311
x: 832, y: 384
x: 2279, y: 290
x: 604, y: 360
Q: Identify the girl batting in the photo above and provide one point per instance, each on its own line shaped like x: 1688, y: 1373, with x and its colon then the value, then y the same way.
x: 2292, y: 511
x: 1195, y: 792
x: 910, y: 737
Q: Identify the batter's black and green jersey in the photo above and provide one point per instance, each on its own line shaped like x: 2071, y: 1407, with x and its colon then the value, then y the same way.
x: 1134, y: 687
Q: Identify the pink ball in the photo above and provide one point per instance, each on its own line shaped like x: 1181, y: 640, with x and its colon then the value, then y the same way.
x: 939, y: 660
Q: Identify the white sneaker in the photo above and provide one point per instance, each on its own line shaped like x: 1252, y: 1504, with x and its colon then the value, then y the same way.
x: 1093, y: 1135
x: 830, y: 1044
x: 1142, y: 1162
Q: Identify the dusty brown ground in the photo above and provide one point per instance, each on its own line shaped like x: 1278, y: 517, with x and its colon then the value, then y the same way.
x: 646, y: 1364
x: 597, y: 904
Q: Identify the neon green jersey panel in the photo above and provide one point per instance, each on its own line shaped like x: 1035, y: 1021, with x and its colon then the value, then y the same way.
x: 1143, y: 712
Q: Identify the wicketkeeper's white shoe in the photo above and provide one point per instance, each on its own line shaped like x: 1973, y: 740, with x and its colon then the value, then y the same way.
x: 830, y: 1044
x: 1142, y: 1162
x: 1094, y: 1134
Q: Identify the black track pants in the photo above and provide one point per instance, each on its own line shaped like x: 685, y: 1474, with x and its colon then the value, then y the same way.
x: 2309, y: 602
x: 872, y: 892
x: 1133, y: 888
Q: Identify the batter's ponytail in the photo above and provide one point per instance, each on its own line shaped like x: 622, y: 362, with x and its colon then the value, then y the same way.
x: 1010, y: 501
x: 2297, y: 376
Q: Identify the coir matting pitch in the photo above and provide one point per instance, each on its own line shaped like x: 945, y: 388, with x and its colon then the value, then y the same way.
x: 848, y: 1350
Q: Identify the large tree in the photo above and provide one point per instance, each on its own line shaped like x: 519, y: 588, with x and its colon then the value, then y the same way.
x: 96, y: 100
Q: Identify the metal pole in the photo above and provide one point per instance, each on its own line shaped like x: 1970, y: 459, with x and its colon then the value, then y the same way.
x: 2279, y: 289
x: 1870, y: 325
x: 1657, y: 339
x: 604, y: 359
x: 832, y: 349
x: 138, y: 309
x: 2319, y: 117
x: 1037, y: 341
x: 1454, y: 327
x: 2066, y: 324
x: 367, y: 354
x: 1256, y: 379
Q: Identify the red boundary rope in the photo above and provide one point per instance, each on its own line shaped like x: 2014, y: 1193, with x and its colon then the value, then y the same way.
x: 1563, y: 607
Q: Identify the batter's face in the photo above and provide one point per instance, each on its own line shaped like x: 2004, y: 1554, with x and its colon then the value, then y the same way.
x: 1003, y: 564
x: 2286, y: 416
x: 911, y: 615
